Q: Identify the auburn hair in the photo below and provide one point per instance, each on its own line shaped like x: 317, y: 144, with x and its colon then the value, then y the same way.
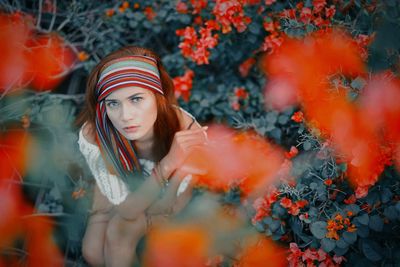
x: 167, y: 122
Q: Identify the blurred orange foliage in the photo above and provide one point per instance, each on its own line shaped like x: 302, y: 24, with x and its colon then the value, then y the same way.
x: 177, y: 245
x: 307, y: 66
x: 17, y: 220
x: 243, y: 159
x: 263, y: 252
x: 30, y: 58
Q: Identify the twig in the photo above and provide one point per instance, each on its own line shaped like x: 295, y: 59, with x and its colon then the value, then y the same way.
x: 39, y: 14
x: 53, y: 19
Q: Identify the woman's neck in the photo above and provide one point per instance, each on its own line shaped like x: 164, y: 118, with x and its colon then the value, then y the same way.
x: 144, y: 149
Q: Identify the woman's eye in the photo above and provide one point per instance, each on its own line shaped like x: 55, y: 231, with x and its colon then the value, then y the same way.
x: 136, y: 99
x: 112, y: 104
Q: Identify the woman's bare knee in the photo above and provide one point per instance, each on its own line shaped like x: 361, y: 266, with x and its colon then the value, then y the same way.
x: 92, y: 252
x: 121, y: 231
x: 93, y: 241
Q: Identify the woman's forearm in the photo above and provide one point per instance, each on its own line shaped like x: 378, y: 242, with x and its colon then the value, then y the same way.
x: 165, y: 203
x: 140, y: 199
x: 147, y: 193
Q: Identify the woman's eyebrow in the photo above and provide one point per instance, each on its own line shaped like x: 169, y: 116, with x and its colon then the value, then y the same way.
x: 134, y: 95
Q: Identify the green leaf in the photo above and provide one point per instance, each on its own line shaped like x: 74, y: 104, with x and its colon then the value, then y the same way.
x: 386, y: 195
x: 391, y: 212
x: 268, y: 232
x: 341, y: 243
x: 318, y: 229
x: 283, y: 119
x: 254, y: 28
x: 259, y: 227
x: 363, y: 219
x: 376, y: 223
x: 139, y: 16
x: 328, y: 244
x: 340, y: 251
x: 276, y: 133
x: 133, y: 24
x: 278, y: 210
x: 398, y: 207
x: 371, y: 250
x: 363, y: 231
x: 355, y: 209
x: 274, y: 225
x: 350, y: 237
x: 307, y: 145
x: 358, y: 83
x: 313, y: 185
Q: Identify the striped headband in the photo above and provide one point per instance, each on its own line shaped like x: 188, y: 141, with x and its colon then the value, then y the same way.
x: 138, y: 71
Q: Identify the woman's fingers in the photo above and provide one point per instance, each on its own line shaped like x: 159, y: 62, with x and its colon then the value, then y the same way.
x: 191, y: 144
x: 199, y: 135
x: 201, y: 130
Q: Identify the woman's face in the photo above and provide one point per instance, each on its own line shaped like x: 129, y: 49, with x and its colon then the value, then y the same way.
x: 132, y: 111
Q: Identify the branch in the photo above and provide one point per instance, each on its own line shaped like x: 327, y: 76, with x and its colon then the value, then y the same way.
x: 53, y: 19
x: 40, y: 14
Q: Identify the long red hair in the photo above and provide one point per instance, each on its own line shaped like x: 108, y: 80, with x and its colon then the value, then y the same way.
x: 167, y: 122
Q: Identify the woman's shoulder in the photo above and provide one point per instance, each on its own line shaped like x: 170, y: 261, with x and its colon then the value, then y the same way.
x: 88, y: 133
x: 186, y: 119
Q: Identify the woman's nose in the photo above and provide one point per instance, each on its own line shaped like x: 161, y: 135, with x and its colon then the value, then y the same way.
x: 127, y: 112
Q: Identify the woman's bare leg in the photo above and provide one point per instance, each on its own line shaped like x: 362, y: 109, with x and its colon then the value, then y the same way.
x: 95, y: 234
x: 122, y: 237
x: 93, y: 241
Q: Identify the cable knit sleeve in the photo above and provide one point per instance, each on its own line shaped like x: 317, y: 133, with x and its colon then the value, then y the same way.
x: 110, y: 185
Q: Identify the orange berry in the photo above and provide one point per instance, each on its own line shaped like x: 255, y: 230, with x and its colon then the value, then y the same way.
x: 110, y: 12
x: 82, y: 56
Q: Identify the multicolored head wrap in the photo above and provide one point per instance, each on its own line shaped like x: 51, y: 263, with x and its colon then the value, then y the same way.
x: 130, y: 71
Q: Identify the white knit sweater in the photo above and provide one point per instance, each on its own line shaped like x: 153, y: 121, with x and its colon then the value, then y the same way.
x: 111, y: 185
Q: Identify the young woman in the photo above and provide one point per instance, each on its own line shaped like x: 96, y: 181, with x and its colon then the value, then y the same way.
x: 131, y: 125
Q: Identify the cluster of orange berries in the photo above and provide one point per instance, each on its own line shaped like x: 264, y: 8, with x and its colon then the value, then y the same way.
x: 122, y: 8
x: 148, y: 10
x: 339, y: 223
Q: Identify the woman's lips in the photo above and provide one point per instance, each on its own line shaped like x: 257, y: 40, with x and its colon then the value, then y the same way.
x: 131, y: 129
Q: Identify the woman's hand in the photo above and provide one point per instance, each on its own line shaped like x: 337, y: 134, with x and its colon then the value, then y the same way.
x: 183, y: 142
x: 165, y: 204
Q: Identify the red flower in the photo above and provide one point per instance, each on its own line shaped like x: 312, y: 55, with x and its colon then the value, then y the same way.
x: 263, y: 205
x: 301, y: 203
x: 361, y: 191
x: 78, y: 193
x: 245, y: 67
x: 304, y: 216
x: 149, y: 12
x: 269, y: 2
x: 350, y: 200
x: 328, y: 182
x: 198, y: 20
x: 212, y: 25
x: 230, y: 12
x: 288, y: 13
x: 183, y: 85
x: 197, y: 48
x: 198, y: 5
x: 271, y: 43
x: 305, y: 15
x: 298, y: 116
x: 319, y: 5
x: 286, y: 202
x: 241, y: 93
x: 181, y: 7
x: 235, y: 105
x: 292, y: 153
x: 330, y: 12
x: 252, y: 2
x: 110, y: 12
